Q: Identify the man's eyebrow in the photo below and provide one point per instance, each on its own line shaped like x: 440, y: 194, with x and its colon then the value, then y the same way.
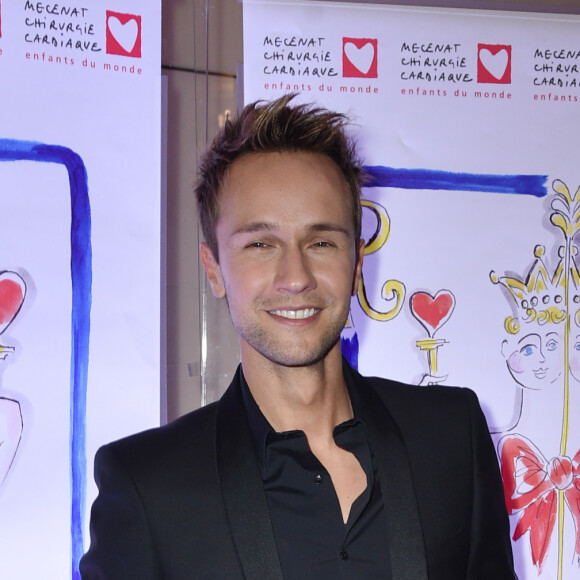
x: 528, y: 336
x: 256, y: 227
x: 328, y: 227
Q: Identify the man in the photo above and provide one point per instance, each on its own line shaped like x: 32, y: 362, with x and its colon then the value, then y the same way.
x: 304, y: 469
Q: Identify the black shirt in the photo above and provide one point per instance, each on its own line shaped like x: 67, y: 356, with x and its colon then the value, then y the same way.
x: 312, y: 539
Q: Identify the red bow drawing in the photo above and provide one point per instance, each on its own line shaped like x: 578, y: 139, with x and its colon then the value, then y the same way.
x: 531, y: 486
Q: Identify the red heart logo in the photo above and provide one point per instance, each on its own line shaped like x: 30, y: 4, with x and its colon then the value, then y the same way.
x: 432, y: 312
x: 12, y: 292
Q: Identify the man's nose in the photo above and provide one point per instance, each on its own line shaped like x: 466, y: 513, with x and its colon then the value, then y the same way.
x: 294, y: 272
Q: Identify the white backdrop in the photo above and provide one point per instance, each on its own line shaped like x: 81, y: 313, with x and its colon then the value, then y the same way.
x: 468, y: 123
x: 79, y: 272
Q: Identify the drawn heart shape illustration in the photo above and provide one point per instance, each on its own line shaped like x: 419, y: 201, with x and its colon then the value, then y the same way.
x: 12, y: 293
x: 125, y: 34
x: 494, y: 63
x: 361, y: 58
x: 432, y: 312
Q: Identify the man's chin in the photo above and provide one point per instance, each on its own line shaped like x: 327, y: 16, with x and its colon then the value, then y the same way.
x: 292, y: 357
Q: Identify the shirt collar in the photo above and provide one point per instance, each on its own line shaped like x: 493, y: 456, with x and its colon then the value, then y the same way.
x: 261, y: 428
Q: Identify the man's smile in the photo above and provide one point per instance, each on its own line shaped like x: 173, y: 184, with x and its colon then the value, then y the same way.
x: 295, y: 314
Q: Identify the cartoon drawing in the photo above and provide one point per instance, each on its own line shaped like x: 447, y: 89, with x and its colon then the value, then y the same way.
x: 536, y: 489
x: 81, y: 283
x: 574, y: 363
x: 533, y: 347
x: 12, y: 294
x: 432, y: 312
x: 541, y: 479
x: 392, y: 289
x: 10, y: 432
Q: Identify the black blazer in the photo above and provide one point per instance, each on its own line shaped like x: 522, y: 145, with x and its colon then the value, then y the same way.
x: 186, y: 501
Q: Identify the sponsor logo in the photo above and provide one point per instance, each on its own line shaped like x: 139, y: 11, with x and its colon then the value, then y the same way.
x: 123, y: 34
x: 494, y: 63
x: 360, y: 57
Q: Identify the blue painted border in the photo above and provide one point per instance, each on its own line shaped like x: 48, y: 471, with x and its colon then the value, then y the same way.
x: 81, y: 278
x: 380, y: 176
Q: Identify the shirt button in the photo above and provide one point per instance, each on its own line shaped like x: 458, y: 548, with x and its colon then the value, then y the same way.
x: 344, y: 555
x: 318, y: 479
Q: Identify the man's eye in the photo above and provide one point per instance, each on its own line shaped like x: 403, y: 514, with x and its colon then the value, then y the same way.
x: 322, y: 244
x: 527, y: 350
x: 258, y: 245
x: 552, y: 345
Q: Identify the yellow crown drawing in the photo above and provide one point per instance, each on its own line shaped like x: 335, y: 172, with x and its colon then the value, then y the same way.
x: 540, y: 296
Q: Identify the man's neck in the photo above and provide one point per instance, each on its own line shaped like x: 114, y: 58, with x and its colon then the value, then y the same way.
x: 313, y: 399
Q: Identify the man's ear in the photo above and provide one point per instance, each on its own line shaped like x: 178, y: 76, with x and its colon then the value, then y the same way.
x: 212, y: 270
x: 360, y: 251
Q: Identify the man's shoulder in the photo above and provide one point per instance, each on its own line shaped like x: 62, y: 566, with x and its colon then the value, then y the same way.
x: 191, y: 435
x: 417, y: 393
x: 432, y: 419
x: 413, y: 402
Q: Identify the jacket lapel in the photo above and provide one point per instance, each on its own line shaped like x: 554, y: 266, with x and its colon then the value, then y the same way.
x: 406, y: 543
x: 246, y: 505
x: 242, y: 489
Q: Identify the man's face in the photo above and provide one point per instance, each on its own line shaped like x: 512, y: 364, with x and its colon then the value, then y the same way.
x: 535, y: 360
x: 288, y: 261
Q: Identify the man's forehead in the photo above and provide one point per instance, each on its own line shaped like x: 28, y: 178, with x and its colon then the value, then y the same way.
x: 292, y: 173
x: 272, y: 159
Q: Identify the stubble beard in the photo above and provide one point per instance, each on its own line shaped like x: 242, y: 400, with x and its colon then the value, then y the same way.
x: 284, y: 353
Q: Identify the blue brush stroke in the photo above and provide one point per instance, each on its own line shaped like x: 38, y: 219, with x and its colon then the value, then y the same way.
x: 81, y: 278
x: 379, y: 176
x: 349, y: 349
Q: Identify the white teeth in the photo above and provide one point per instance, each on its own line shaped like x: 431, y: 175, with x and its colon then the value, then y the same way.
x: 296, y: 314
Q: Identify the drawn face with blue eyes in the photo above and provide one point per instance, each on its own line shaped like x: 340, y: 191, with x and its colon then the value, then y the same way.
x: 536, y: 360
x: 575, y: 356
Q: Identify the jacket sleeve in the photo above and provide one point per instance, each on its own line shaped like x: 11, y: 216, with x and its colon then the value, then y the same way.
x: 490, y: 553
x: 122, y: 546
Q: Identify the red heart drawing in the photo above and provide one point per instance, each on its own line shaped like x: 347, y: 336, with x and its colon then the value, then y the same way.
x: 432, y: 312
x: 12, y: 293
